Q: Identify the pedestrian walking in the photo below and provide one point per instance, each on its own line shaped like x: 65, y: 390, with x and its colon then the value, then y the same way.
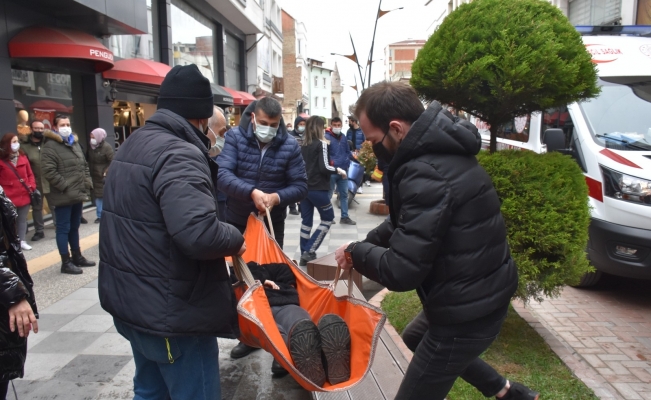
x: 65, y: 168
x: 340, y: 155
x: 17, y: 179
x: 18, y: 312
x: 32, y: 145
x: 298, y: 134
x: 317, y: 164
x: 445, y: 238
x: 100, y: 157
x: 261, y: 167
x: 162, y: 273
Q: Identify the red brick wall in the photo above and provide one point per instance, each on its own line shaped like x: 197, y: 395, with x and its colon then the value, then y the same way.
x: 402, y: 54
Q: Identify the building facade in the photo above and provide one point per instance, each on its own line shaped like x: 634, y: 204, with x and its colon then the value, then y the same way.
x: 581, y: 12
x: 296, y: 96
x: 337, y: 90
x: 320, y: 80
x: 398, y: 59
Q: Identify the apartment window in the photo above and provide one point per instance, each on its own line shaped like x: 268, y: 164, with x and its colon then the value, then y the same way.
x: 316, y: 102
x: 324, y: 83
x: 316, y: 81
x: 324, y: 101
x: 298, y: 50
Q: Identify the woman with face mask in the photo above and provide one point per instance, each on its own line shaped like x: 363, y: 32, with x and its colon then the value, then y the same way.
x: 100, y: 157
x: 64, y: 166
x: 18, y: 181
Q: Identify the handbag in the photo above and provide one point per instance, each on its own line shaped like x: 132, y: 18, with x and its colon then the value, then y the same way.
x: 35, y: 195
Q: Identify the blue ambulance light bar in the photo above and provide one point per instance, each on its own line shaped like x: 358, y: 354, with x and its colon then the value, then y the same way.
x: 628, y: 30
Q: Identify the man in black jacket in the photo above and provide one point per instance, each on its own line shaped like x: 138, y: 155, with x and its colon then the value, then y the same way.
x: 162, y: 274
x: 445, y: 238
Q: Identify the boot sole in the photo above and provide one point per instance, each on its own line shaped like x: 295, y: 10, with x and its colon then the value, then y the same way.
x: 305, y: 348
x: 335, y: 339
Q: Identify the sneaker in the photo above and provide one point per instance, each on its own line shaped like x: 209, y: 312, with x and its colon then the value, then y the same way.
x: 347, y: 221
x: 25, y: 246
x: 305, y: 348
x: 307, y: 257
x: 277, y: 370
x: 368, y: 183
x: 360, y: 190
x: 98, y: 220
x: 38, y: 236
x: 335, y: 341
x: 518, y: 391
x: 294, y: 212
x: 83, y: 220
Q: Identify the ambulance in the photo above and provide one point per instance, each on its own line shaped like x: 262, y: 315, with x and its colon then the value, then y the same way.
x: 610, y: 139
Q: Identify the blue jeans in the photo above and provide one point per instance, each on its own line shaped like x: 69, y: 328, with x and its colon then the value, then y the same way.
x: 342, y: 188
x: 99, y: 203
x: 189, y: 370
x: 68, y: 219
x: 320, y: 200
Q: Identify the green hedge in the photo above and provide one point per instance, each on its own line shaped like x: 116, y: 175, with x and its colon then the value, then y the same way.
x: 545, y: 206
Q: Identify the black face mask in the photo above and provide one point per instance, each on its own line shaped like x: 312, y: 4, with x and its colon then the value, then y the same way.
x: 351, y: 126
x: 381, y: 152
x: 37, y: 135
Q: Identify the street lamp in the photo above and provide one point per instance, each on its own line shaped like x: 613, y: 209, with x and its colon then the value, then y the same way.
x: 353, y: 57
x: 380, y: 13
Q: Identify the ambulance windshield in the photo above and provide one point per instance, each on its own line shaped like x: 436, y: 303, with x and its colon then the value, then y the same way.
x: 620, y: 118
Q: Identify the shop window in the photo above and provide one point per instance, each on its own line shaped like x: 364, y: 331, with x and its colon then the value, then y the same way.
x: 137, y: 46
x: 232, y: 59
x: 192, y: 38
x: 40, y: 95
x: 129, y: 116
x: 517, y: 129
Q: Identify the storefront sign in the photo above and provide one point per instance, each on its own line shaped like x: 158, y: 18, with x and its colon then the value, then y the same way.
x: 23, y: 78
x: 103, y: 54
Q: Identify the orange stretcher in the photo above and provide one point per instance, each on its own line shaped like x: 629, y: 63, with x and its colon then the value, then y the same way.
x: 257, y: 325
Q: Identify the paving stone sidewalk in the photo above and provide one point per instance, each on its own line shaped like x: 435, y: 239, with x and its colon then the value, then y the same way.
x: 602, y: 334
x: 78, y: 354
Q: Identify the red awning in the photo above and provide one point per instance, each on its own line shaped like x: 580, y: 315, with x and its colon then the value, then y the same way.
x: 45, y: 42
x: 50, y: 105
x: 240, y: 98
x: 138, y: 70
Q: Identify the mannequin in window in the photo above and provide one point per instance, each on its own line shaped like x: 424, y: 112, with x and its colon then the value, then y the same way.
x: 21, y: 120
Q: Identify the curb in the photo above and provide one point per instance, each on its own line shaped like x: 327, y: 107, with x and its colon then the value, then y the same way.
x: 573, y: 360
x: 393, y: 334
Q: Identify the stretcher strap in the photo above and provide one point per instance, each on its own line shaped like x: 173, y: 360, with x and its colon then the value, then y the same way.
x: 271, y: 226
x: 242, y: 271
x: 333, y: 285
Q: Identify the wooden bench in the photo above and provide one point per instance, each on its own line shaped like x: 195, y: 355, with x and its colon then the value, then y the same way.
x: 324, y: 268
x: 387, y: 371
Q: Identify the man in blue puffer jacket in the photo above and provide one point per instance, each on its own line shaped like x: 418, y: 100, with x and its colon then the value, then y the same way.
x: 340, y: 156
x: 261, y: 166
x: 355, y: 134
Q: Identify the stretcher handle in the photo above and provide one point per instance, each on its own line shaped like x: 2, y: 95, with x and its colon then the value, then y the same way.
x: 242, y: 271
x: 338, y: 273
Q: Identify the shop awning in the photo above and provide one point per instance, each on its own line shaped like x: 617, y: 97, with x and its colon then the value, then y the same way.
x: 50, y: 105
x: 221, y: 96
x: 240, y: 98
x: 46, y: 42
x: 138, y: 70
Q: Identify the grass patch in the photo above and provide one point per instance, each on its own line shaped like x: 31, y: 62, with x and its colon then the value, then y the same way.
x: 519, y: 353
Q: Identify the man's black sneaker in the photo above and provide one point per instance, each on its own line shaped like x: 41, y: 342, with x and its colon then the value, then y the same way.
x: 335, y: 341
x: 293, y: 211
x: 305, y: 348
x: 518, y: 391
x: 38, y: 236
x: 242, y: 350
x: 347, y: 221
x: 277, y: 370
x: 83, y: 220
x: 307, y: 257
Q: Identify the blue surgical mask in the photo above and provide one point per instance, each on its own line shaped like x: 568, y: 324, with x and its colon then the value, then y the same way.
x: 300, y: 129
x: 265, y: 134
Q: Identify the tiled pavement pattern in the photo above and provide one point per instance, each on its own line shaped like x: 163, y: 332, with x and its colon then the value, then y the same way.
x: 604, y: 335
x: 78, y: 354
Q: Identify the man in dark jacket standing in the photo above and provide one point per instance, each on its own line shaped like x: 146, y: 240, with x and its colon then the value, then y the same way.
x: 261, y: 167
x: 297, y: 133
x: 162, y: 272
x: 445, y: 238
x: 355, y: 134
x: 340, y: 155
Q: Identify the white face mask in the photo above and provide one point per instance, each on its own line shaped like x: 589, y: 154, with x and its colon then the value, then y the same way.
x: 265, y: 134
x: 300, y: 129
x: 65, y: 131
x: 15, y: 147
x: 336, y: 131
x: 93, y: 142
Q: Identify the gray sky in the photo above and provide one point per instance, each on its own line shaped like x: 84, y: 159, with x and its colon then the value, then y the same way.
x: 329, y: 21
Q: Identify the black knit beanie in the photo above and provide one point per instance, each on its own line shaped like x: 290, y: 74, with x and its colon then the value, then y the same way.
x: 186, y: 92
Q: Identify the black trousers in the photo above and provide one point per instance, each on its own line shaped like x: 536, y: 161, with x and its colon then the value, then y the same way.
x: 4, y: 387
x: 286, y: 317
x: 442, y: 354
x: 278, y: 225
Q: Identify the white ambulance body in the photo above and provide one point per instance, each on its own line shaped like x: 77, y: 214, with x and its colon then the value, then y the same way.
x: 610, y: 138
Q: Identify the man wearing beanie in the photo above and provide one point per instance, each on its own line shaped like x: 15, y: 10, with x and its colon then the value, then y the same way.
x: 162, y: 274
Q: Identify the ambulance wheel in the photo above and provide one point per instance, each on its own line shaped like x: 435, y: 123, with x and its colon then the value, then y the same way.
x: 589, y: 279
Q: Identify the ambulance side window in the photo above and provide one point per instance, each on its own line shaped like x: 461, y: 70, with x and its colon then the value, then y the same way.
x: 558, y: 118
x: 516, y: 129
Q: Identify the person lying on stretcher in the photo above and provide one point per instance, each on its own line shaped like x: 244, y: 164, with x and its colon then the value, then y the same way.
x: 320, y: 351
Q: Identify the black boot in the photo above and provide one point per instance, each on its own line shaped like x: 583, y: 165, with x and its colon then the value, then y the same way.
x: 67, y: 267
x: 80, y: 260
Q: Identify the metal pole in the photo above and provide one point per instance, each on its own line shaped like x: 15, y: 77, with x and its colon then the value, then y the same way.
x: 370, y: 55
x: 357, y: 61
